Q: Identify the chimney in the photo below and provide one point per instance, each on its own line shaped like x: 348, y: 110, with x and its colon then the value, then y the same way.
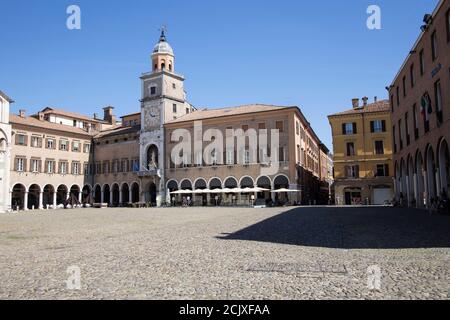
x: 375, y: 99
x: 108, y: 115
x: 355, y: 103
x: 41, y: 116
x: 22, y: 113
x: 365, y: 99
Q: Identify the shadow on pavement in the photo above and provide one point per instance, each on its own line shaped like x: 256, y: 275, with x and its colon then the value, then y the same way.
x: 351, y: 228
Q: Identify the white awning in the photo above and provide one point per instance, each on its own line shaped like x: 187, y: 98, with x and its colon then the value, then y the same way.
x: 284, y: 190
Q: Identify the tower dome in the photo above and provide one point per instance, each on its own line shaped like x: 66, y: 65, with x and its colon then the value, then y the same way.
x: 163, y: 47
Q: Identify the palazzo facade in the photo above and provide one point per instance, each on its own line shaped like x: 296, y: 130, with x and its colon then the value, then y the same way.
x: 59, y: 157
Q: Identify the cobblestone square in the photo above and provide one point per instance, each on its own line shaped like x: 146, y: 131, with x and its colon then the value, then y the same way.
x: 223, y: 253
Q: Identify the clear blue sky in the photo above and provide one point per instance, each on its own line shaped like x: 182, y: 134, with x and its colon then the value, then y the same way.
x: 314, y: 54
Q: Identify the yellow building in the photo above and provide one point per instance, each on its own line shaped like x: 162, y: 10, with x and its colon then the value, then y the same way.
x: 362, y: 142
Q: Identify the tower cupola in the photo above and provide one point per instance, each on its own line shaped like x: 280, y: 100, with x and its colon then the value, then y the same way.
x: 162, y: 56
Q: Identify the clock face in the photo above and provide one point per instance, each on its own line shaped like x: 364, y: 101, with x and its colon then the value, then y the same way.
x: 152, y: 117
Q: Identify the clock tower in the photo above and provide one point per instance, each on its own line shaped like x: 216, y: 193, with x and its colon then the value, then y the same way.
x: 163, y: 99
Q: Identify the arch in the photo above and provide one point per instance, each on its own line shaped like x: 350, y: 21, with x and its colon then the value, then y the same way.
x: 264, y: 182
x: 200, y: 183
x: 18, y: 196
x: 86, y: 194
x: 403, y: 180
x: 125, y: 191
x: 3, y: 144
x: 135, y: 192
x: 61, y: 194
x: 48, y: 194
x: 431, y: 173
x: 215, y: 183
x: 106, y: 194
x: 186, y: 184
x: 281, y: 181
x: 230, y: 183
x: 115, y: 189
x: 97, y: 193
x: 412, y: 194
x: 246, y: 182
x: 172, y: 185
x: 152, y: 190
x: 420, y: 179
x: 33, y: 196
x: 152, y: 157
x: 444, y: 167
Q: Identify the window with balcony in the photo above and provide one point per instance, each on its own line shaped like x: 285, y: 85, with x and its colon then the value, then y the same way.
x: 20, y: 164
x: 382, y: 170
x: 379, y: 147
x: 350, y: 149
x: 422, y: 62
x: 438, y: 99
x: 352, y: 172
x: 434, y: 48
x: 63, y: 145
x: 35, y: 165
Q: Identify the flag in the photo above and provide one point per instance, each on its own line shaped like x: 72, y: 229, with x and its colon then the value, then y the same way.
x: 426, y: 108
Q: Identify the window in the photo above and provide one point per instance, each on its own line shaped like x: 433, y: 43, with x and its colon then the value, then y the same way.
x: 63, y: 167
x: 74, y: 123
x: 297, y: 128
x: 50, y: 166
x: 408, y: 140
x: 87, y: 148
x: 398, y: 96
x: 404, y: 86
x: 400, y: 133
x: 76, y: 146
x: 379, y: 147
x: 415, y: 122
x: 392, y: 103
x: 281, y: 154
x: 98, y: 168
x: 86, y: 169
x: 135, y: 165
x: 36, y: 142
x: 434, y: 47
x: 261, y: 126
x: 350, y: 149
x: 35, y: 165
x: 20, y: 164
x: 411, y: 76
x: 280, y: 126
x: 422, y: 62
x: 174, y: 86
x: 349, y: 128
x: 378, y: 126
x: 448, y: 25
x: 50, y: 143
x: 394, y: 139
x: 352, y: 171
x: 188, y: 110
x: 438, y: 97
x: 63, y: 145
x: 245, y: 128
x: 174, y: 108
x: 76, y: 168
x: 382, y: 170
x: 21, y: 140
x: 153, y: 91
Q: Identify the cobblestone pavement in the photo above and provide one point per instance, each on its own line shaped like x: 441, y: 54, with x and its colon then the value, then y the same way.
x: 222, y: 253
